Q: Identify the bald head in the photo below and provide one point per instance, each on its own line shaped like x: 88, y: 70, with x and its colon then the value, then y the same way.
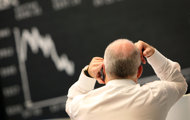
x: 122, y: 47
x: 121, y: 59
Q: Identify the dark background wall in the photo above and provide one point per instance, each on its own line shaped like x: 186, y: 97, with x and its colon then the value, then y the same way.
x: 44, y: 44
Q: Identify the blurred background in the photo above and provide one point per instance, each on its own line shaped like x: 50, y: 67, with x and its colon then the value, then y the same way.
x: 44, y: 44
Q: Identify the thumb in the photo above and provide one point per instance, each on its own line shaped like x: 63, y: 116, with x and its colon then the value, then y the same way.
x: 147, y: 52
x: 100, y: 81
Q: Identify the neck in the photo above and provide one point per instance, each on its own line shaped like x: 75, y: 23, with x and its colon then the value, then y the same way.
x: 135, y: 79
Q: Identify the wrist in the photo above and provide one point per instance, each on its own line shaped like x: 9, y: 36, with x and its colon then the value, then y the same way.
x: 87, y: 73
x: 157, y: 60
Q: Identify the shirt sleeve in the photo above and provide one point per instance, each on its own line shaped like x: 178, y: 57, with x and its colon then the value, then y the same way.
x: 172, y: 85
x: 79, y: 88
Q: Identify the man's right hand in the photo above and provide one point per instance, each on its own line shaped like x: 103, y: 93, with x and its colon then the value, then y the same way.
x: 146, y: 50
x: 95, y: 67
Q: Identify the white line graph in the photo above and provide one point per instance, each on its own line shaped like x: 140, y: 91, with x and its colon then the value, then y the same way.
x: 47, y: 46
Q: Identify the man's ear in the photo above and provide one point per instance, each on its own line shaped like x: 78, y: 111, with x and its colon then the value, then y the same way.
x: 140, y: 70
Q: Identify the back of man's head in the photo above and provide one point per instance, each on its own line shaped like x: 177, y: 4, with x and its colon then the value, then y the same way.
x: 121, y: 59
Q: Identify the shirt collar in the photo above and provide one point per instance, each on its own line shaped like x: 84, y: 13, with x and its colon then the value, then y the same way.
x: 121, y: 82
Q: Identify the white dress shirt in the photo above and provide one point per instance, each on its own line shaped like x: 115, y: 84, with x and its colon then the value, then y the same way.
x: 123, y: 99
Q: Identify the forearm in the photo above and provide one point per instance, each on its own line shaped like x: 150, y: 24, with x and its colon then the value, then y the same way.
x: 168, y: 70
x: 82, y: 86
x: 163, y: 67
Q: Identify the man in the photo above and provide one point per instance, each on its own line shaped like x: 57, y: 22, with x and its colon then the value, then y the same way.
x: 122, y: 98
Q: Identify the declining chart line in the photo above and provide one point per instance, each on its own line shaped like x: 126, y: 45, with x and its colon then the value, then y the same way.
x: 47, y: 46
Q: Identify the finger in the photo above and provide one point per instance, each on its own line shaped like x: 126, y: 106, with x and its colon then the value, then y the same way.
x: 96, y: 61
x: 97, y: 64
x: 97, y: 58
x: 148, y: 52
x: 99, y: 67
x: 141, y: 46
x: 95, y: 69
x: 143, y: 60
x: 100, y: 81
x: 141, y: 54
